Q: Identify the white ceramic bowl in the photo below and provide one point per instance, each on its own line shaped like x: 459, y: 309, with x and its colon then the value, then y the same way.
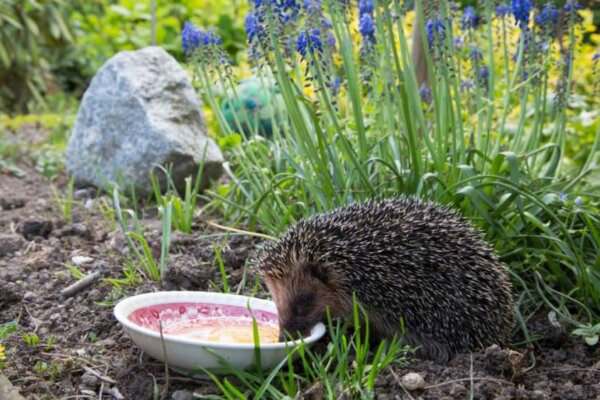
x: 189, y: 354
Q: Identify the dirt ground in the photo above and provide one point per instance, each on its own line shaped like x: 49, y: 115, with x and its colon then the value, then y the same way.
x: 82, y: 352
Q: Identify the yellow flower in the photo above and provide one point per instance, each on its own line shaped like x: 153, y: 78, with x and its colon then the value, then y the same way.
x: 2, y: 353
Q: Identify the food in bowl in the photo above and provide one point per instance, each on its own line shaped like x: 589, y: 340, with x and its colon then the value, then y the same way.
x: 208, y: 322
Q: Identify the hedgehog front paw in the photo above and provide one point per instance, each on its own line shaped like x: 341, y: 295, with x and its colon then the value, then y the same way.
x: 433, y: 350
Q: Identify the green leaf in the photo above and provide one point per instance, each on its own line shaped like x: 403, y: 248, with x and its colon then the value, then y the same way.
x: 7, y: 329
x: 120, y: 10
x: 591, y: 340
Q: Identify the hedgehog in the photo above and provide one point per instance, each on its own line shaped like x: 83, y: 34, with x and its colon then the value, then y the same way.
x: 409, y: 263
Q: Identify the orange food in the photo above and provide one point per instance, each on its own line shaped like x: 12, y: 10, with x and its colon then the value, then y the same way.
x: 226, y: 331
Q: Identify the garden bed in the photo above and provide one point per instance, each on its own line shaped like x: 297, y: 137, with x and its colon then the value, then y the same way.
x: 61, y: 344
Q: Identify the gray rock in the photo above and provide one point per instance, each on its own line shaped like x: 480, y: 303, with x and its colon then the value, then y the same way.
x: 182, y: 395
x: 29, y: 296
x: 413, y: 381
x: 10, y: 294
x: 8, y: 391
x: 10, y: 243
x: 83, y: 194
x: 89, y: 380
x: 140, y: 110
x: 77, y: 229
x: 32, y: 228
x: 11, y: 203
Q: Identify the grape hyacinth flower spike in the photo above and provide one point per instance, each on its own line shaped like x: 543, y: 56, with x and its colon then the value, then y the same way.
x: 470, y: 19
x: 521, y: 10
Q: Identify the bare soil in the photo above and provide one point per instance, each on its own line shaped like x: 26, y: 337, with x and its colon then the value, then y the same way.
x: 80, y: 339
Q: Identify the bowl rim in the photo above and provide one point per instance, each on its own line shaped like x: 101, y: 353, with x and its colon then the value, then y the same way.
x: 316, y: 333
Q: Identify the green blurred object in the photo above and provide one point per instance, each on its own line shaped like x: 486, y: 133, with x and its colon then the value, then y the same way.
x: 253, y: 108
x: 35, y: 41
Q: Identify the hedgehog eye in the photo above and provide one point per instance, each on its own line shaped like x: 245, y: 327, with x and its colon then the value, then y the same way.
x: 319, y: 272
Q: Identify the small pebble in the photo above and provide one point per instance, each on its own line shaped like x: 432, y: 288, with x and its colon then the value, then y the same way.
x: 11, y: 244
x: 94, y: 295
x: 81, y: 194
x: 458, y: 390
x: 538, y: 395
x: 108, y: 342
x: 80, y: 260
x: 413, y: 381
x: 182, y: 395
x: 34, y: 228
x: 11, y: 203
x: 89, y: 380
x: 28, y: 296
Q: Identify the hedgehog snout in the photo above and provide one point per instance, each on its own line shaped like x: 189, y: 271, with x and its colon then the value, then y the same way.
x: 296, y: 328
x: 300, y: 315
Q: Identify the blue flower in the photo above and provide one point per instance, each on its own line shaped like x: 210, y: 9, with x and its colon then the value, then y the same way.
x: 425, y: 94
x: 253, y: 26
x: 336, y: 85
x: 466, y: 85
x: 483, y: 75
x: 290, y: 5
x: 436, y: 31
x: 521, y: 10
x: 365, y: 7
x: 562, y: 196
x: 209, y: 38
x: 502, y: 10
x: 458, y: 42
x: 331, y: 40
x: 309, y: 41
x: 484, y: 72
x: 366, y: 27
x: 596, y: 56
x: 476, y: 54
x: 578, y: 201
x: 548, y: 16
x: 190, y: 38
x: 312, y: 7
x: 571, y: 5
x: 289, y: 10
x: 470, y: 19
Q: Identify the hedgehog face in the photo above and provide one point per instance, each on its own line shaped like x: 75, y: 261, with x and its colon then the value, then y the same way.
x: 302, y: 297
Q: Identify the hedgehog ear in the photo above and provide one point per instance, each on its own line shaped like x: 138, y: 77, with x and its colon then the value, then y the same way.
x: 319, y: 272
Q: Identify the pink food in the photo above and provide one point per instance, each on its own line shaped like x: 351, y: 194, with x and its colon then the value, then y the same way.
x: 208, y: 322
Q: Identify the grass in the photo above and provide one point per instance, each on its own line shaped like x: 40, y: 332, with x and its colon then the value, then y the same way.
x: 221, y: 265
x: 7, y: 329
x: 75, y: 272
x: 65, y: 201
x: 31, y: 339
x: 183, y: 208
x: 349, y: 366
x: 131, y: 277
x: 149, y: 266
